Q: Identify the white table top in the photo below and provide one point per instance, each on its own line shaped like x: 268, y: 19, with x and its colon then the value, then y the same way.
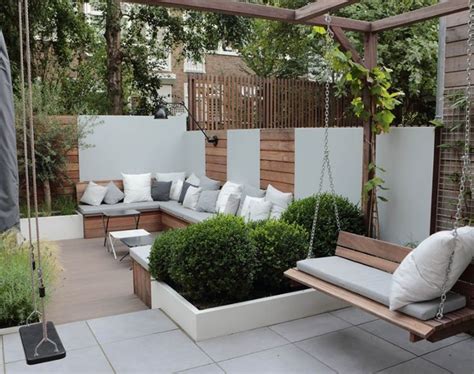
x: 128, y: 233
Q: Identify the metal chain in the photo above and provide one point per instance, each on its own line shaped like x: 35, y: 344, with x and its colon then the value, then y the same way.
x: 466, y: 160
x: 326, y: 164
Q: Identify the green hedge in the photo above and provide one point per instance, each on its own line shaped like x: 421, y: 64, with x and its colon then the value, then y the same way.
x: 301, y: 212
x: 279, y: 246
x: 15, y: 279
x: 216, y: 261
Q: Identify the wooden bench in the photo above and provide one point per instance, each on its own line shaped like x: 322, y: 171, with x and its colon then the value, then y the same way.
x: 387, y: 257
x: 152, y: 220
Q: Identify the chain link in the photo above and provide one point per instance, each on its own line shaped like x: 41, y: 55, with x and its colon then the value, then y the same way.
x: 326, y: 164
x: 466, y: 175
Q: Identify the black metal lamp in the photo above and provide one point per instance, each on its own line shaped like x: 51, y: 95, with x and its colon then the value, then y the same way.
x: 162, y: 113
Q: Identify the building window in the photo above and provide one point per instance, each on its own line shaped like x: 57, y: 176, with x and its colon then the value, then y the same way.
x: 166, y: 92
x: 191, y: 66
x: 165, y: 63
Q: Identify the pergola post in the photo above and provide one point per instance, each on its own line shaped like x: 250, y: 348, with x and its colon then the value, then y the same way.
x: 369, y: 138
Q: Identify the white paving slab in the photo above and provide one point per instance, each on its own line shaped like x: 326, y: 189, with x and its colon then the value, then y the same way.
x: 354, y: 351
x: 131, y: 325
x: 206, y: 369
x: 286, y: 359
x: 400, y: 337
x: 354, y: 316
x: 158, y: 353
x: 241, y: 343
x: 81, y: 361
x: 1, y: 356
x: 418, y: 366
x: 457, y: 358
x: 309, y: 327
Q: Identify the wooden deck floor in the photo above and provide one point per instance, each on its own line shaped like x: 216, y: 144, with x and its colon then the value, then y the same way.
x: 92, y: 284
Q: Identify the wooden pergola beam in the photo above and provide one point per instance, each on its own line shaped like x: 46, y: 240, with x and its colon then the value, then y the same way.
x: 419, y: 15
x: 346, y: 44
x: 239, y: 8
x: 319, y: 8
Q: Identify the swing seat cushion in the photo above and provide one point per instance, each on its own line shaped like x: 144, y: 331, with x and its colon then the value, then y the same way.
x: 372, y: 283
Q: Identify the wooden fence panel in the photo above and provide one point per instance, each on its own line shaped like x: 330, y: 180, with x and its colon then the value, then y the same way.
x: 251, y: 102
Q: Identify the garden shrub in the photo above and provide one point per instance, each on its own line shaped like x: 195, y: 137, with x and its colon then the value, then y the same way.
x: 302, y: 212
x: 162, y: 251
x: 279, y: 246
x: 216, y: 262
x: 15, y: 279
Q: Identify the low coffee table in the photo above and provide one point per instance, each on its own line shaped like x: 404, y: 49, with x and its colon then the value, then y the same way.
x: 131, y: 238
x: 118, y: 213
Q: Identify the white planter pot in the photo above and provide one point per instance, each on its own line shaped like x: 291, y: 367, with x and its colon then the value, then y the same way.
x: 55, y: 228
x: 247, y: 315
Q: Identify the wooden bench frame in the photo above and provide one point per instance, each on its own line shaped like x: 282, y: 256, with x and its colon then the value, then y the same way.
x: 386, y: 257
x: 151, y: 220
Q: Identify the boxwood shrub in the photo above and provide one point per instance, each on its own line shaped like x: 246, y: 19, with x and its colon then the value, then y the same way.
x: 216, y: 261
x: 279, y: 246
x: 302, y: 212
x: 164, y: 246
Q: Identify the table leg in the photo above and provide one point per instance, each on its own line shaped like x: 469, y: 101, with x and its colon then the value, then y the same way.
x: 106, y: 229
x: 137, y: 221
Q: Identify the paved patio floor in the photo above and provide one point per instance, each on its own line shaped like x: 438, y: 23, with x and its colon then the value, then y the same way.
x: 344, y: 341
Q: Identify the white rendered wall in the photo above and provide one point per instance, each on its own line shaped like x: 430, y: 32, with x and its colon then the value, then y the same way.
x: 345, y: 146
x: 133, y: 144
x: 407, y: 155
x: 194, y: 152
x: 55, y: 228
x: 243, y: 156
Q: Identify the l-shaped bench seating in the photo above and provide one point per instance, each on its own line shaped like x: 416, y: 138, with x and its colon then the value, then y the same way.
x: 155, y: 215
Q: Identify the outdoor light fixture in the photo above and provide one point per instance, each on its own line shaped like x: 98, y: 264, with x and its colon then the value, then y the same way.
x: 162, y: 113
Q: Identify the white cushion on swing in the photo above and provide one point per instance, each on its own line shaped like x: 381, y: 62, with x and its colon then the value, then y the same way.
x: 422, y: 273
x: 373, y: 284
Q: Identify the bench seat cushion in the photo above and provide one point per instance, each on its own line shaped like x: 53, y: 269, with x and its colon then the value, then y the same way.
x: 176, y: 209
x: 89, y: 210
x: 372, y: 283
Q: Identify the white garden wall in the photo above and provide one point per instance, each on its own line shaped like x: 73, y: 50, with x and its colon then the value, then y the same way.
x: 136, y: 144
x: 243, y: 156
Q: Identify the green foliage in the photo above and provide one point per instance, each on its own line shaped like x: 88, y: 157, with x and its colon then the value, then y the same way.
x: 216, y: 262
x: 163, y: 249
x: 301, y: 212
x: 279, y: 246
x: 15, y: 281
x: 61, y: 206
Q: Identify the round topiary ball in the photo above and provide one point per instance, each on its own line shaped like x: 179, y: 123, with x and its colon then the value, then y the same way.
x: 279, y: 246
x: 164, y: 246
x: 216, y: 262
x: 302, y: 212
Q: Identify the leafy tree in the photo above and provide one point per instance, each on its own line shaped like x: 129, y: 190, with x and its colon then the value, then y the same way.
x: 283, y: 50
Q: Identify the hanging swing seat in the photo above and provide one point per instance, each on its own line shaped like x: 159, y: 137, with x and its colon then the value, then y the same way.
x: 360, y: 274
x: 50, y: 350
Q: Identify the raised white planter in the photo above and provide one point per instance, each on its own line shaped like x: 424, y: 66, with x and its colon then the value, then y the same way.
x: 56, y: 227
x: 9, y: 330
x: 247, y: 315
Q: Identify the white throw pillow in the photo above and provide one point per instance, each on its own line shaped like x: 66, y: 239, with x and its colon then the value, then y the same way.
x: 192, y: 197
x: 279, y: 199
x: 137, y: 187
x: 176, y: 188
x: 232, y: 204
x: 245, y: 212
x: 194, y: 180
x: 421, y: 274
x: 94, y: 194
x: 259, y: 210
x: 228, y: 189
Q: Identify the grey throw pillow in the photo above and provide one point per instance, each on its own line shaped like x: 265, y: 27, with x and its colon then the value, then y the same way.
x: 207, y: 201
x: 160, y: 191
x: 249, y: 191
x: 114, y: 194
x: 208, y: 184
x: 186, y: 185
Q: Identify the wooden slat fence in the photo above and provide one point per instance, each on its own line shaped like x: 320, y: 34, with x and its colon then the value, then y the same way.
x: 251, y: 102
